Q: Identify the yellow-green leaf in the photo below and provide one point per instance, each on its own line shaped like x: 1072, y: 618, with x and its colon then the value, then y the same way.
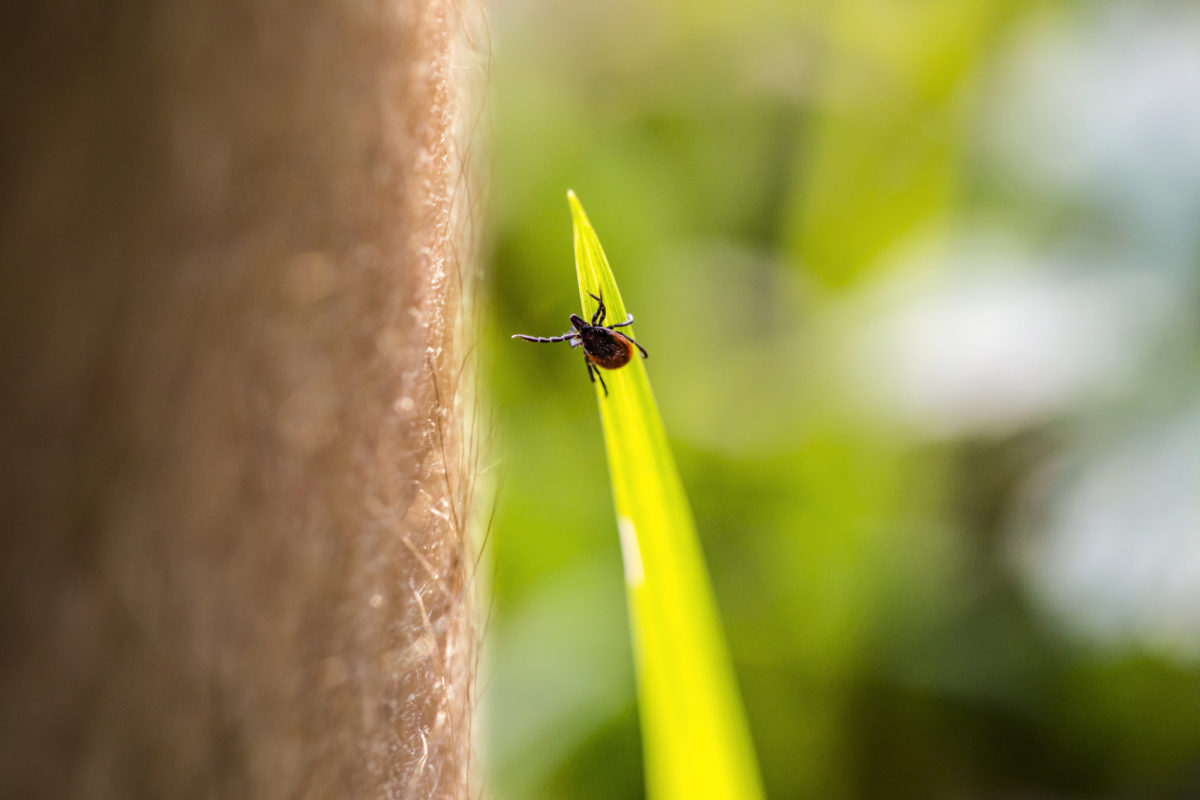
x: 694, y: 731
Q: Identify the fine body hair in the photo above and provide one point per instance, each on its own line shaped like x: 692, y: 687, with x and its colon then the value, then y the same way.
x: 236, y: 247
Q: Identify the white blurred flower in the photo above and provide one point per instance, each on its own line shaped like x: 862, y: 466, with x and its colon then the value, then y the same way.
x: 982, y: 339
x: 1109, y: 541
x: 1104, y: 108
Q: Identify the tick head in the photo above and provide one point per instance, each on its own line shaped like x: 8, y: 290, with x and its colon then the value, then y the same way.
x: 579, y: 322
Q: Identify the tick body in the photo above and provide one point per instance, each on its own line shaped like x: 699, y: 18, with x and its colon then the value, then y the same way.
x: 603, y: 346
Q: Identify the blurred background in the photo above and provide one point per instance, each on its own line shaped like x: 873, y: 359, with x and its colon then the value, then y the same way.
x: 919, y: 284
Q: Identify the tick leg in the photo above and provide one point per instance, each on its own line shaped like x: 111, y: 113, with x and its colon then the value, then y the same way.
x: 628, y: 321
x: 594, y: 374
x: 598, y: 317
x: 563, y: 338
x: 635, y: 344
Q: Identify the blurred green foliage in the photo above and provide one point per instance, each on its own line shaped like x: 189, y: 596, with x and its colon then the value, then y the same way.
x: 918, y: 281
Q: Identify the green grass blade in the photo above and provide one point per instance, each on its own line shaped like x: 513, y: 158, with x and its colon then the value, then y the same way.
x: 694, y: 731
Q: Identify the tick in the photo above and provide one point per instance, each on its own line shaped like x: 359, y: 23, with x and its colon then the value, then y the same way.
x: 603, y: 346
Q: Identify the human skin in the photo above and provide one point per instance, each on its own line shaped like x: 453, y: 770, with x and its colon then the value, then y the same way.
x: 235, y: 248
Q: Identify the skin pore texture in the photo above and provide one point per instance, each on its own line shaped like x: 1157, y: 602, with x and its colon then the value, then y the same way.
x: 237, y: 253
